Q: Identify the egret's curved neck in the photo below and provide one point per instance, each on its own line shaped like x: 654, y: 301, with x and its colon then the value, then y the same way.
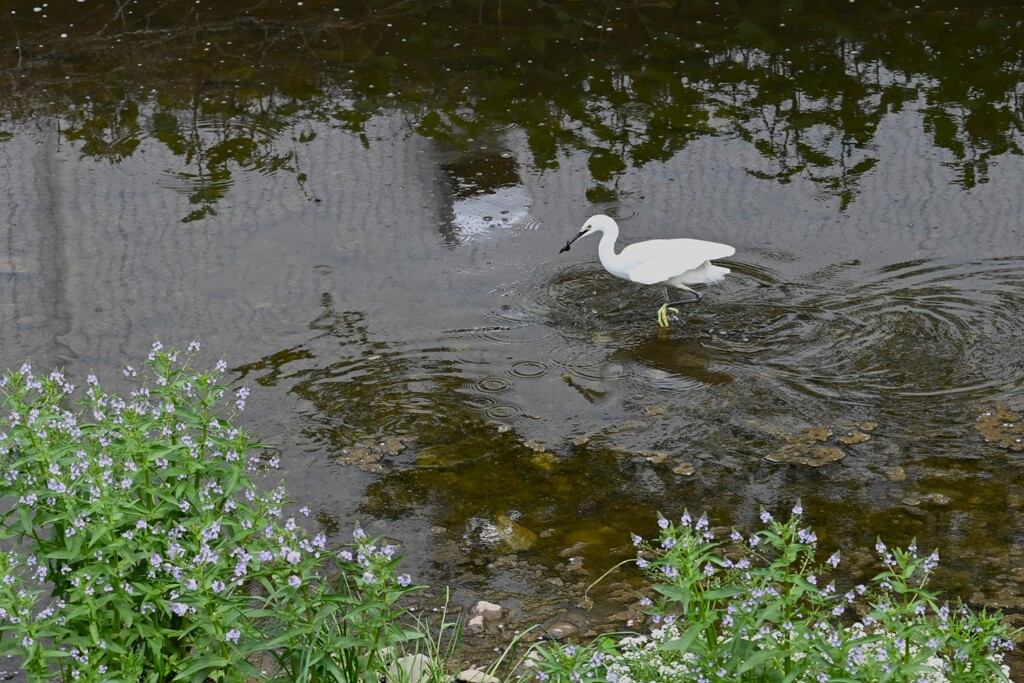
x: 606, y: 248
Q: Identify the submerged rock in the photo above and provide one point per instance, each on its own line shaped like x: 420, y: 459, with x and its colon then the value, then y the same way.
x: 684, y: 469
x: 934, y: 498
x: 367, y: 454
x: 854, y: 437
x: 363, y: 457
x: 655, y: 457
x: 545, y: 460
x: 896, y: 473
x: 513, y: 534
x: 807, y: 454
x: 1001, y: 427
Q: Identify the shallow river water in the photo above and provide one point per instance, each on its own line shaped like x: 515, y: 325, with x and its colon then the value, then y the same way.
x: 361, y: 208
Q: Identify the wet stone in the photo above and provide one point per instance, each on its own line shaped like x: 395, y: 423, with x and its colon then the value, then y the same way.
x: 811, y: 435
x: 573, y: 550
x: 656, y: 410
x: 363, y: 457
x: 488, y: 610
x: 546, y: 461
x: 560, y: 630
x: 934, y: 499
x: 410, y: 669
x: 1001, y: 427
x: 684, y: 469
x: 392, y: 445
x: 575, y: 565
x: 854, y: 437
x: 867, y: 426
x: 655, y: 457
x: 807, y: 454
x: 476, y: 676
x: 475, y: 624
x: 513, y: 534
x: 896, y: 473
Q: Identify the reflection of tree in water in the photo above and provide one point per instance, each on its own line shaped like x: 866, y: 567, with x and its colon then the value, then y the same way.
x: 807, y: 86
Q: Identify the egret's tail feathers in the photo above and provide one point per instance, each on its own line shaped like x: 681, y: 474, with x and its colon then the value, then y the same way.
x: 715, y: 273
x: 705, y: 274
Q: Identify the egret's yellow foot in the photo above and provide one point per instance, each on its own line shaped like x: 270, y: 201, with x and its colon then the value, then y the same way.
x: 663, y: 314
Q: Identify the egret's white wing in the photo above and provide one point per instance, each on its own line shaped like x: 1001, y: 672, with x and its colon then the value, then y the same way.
x: 658, y: 260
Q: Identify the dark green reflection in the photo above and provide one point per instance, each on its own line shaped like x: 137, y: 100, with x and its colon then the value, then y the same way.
x: 232, y: 88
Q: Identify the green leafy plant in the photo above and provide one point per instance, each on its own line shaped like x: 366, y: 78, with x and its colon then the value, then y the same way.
x: 757, y: 607
x: 141, y: 549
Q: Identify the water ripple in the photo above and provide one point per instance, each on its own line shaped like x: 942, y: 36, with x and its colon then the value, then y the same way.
x: 920, y: 328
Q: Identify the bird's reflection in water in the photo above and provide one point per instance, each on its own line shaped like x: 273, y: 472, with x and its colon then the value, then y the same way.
x: 678, y: 360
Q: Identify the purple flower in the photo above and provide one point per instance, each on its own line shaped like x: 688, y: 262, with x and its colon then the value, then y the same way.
x: 179, y: 608
x: 662, y: 522
x: 294, y: 581
x: 765, y: 517
x: 368, y: 577
x: 233, y: 636
x: 404, y: 580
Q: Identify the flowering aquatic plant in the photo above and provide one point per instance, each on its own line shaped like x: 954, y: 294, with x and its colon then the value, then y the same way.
x: 756, y: 607
x: 163, y: 558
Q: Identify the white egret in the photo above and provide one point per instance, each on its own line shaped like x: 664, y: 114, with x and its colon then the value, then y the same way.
x: 671, y: 263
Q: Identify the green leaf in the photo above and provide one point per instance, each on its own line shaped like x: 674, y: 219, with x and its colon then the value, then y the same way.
x: 687, y: 642
x: 758, y: 658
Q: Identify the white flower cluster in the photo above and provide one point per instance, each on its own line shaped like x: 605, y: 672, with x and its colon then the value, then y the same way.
x: 641, y: 659
x: 644, y: 659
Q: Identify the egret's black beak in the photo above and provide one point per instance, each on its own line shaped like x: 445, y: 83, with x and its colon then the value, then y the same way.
x: 569, y: 243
